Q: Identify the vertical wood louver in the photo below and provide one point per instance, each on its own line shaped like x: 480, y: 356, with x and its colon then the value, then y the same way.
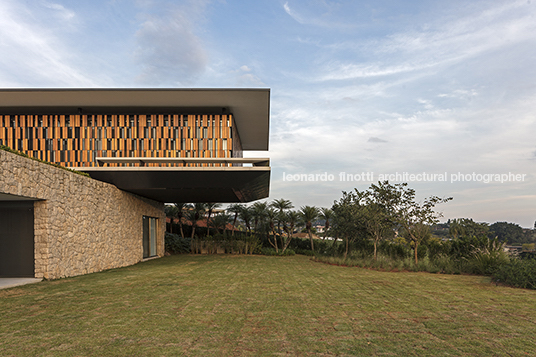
x: 76, y: 140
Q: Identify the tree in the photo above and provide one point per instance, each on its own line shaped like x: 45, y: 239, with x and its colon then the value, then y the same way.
x: 235, y: 209
x: 171, y: 213
x: 292, y: 218
x: 326, y: 214
x: 371, y: 212
x: 411, y: 215
x: 271, y: 215
x: 180, y: 208
x: 194, y: 214
x: 348, y: 219
x: 258, y: 212
x: 246, y: 216
x: 507, y: 232
x: 220, y: 221
x: 280, y: 206
x: 210, y: 207
x: 308, y: 215
x: 467, y: 236
x: 378, y: 223
x: 379, y: 220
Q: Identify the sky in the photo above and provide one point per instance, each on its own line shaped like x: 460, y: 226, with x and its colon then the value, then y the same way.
x: 441, y: 90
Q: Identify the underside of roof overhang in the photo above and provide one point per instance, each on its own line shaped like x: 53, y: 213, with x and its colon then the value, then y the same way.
x: 188, y: 184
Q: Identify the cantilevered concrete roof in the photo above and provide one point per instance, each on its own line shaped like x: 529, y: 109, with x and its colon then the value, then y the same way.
x: 250, y: 107
x: 197, y: 180
x: 188, y: 184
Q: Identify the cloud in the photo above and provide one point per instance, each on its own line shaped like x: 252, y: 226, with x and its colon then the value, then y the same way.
x: 32, y: 54
x: 309, y: 15
x: 442, y: 43
x: 60, y: 10
x: 169, y: 51
x: 373, y: 139
x: 292, y: 13
x: 244, y: 77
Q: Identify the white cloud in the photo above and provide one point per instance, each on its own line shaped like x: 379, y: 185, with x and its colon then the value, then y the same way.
x: 291, y: 13
x: 63, y: 13
x: 442, y: 44
x: 316, y: 15
x: 169, y: 51
x: 33, y: 56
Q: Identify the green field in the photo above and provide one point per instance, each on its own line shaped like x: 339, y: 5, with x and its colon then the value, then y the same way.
x: 265, y: 306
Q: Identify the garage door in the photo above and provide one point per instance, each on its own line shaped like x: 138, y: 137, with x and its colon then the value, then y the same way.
x: 16, y: 239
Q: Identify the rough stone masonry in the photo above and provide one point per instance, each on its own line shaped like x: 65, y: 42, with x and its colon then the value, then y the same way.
x: 81, y: 225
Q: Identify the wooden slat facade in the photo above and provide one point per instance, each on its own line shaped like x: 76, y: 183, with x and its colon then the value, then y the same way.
x: 76, y: 140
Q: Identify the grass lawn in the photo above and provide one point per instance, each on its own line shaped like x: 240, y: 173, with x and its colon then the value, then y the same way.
x: 265, y: 306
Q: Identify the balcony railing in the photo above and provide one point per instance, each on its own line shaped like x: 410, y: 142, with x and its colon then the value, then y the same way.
x: 184, y: 161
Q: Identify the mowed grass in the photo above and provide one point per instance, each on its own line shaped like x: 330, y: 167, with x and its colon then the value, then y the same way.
x: 265, y: 306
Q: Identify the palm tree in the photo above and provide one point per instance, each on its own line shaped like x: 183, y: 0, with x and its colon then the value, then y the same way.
x: 326, y: 214
x: 210, y: 207
x: 280, y: 206
x: 171, y: 213
x: 271, y: 215
x: 220, y: 221
x: 194, y: 214
x: 235, y: 209
x: 292, y: 218
x: 258, y: 211
x: 246, y: 216
x: 309, y: 214
x: 181, y: 207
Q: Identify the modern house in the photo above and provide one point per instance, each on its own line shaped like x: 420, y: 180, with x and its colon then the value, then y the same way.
x: 141, y: 148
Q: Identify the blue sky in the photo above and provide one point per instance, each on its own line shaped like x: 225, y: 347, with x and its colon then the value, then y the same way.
x: 357, y: 86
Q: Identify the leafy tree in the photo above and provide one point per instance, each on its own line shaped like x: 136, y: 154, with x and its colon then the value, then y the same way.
x: 373, y: 210
x: 348, y: 219
x: 380, y: 201
x: 468, y: 236
x: 378, y: 223
x: 466, y: 227
x: 309, y: 214
x: 412, y: 216
x: 506, y: 232
x: 529, y: 247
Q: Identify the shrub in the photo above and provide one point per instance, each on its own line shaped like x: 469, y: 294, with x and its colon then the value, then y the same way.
x: 307, y: 252
x: 488, y: 257
x: 520, y: 273
x: 175, y: 244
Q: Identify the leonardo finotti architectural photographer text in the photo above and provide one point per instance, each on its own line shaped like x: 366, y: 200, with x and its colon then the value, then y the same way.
x: 406, y: 177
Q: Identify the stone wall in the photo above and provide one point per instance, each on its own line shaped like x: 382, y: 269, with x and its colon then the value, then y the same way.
x: 81, y: 225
